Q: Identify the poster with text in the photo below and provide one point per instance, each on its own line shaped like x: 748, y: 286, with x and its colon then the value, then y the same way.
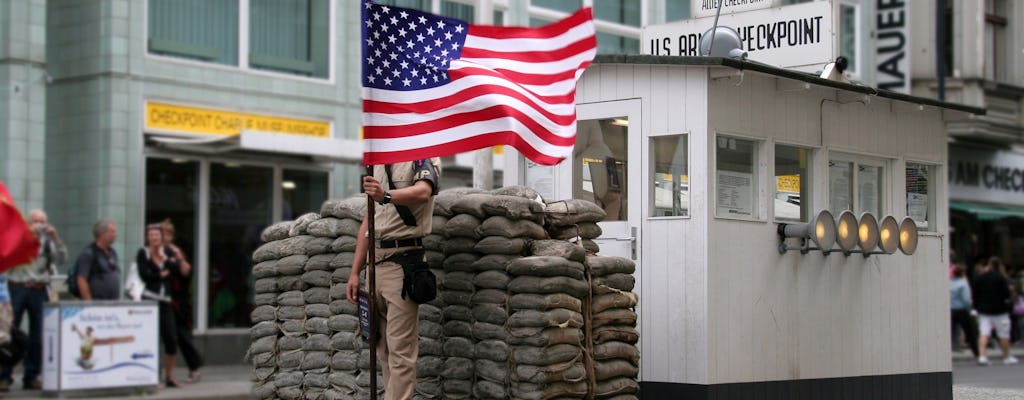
x: 735, y: 194
x: 107, y: 346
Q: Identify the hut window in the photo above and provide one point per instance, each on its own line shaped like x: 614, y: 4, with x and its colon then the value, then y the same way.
x: 792, y: 183
x: 670, y: 180
x: 736, y: 177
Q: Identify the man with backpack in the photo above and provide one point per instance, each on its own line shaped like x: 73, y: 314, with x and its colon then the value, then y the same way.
x: 29, y: 289
x: 96, y: 274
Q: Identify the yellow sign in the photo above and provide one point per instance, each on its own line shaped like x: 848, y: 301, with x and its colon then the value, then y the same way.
x: 184, y: 119
x: 788, y: 183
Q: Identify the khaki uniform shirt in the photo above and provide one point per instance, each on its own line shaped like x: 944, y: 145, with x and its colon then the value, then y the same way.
x: 388, y: 224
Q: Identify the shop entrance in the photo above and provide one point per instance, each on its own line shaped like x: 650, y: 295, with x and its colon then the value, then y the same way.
x: 219, y: 208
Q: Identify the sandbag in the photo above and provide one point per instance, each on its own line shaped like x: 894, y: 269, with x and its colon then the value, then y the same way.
x: 265, y: 285
x: 346, y: 341
x: 343, y: 307
x: 491, y: 280
x: 625, y: 334
x: 350, y: 208
x: 460, y: 262
x: 494, y: 371
x: 265, y: 269
x: 429, y: 366
x: 265, y: 299
x: 458, y: 329
x: 288, y: 283
x: 617, y: 350
x: 487, y: 331
x: 318, y: 310
x: 608, y: 369
x: 261, y: 329
x: 299, y: 227
x: 320, y: 262
x: 458, y: 368
x: 586, y: 230
x: 460, y: 347
x: 431, y: 347
x: 344, y: 323
x: 494, y: 350
x: 613, y: 300
x: 454, y: 297
x: 315, y: 360
x: 317, y: 278
x: 289, y: 343
x: 292, y: 265
x: 614, y: 316
x: 276, y: 231
x: 489, y: 296
x: 546, y: 266
x: 345, y: 361
x: 493, y: 262
x: 558, y: 248
x: 546, y: 285
x: 487, y: 390
x: 317, y: 245
x: 500, y: 245
x: 264, y: 344
x: 624, y: 282
x: 431, y: 329
x: 457, y: 313
x: 549, y: 391
x: 544, y: 337
x: 332, y: 227
x: 572, y: 372
x: 607, y: 265
x: 571, y: 212
x: 614, y: 387
x: 525, y: 192
x: 344, y: 243
x: 429, y: 312
x: 317, y: 325
x: 263, y: 313
x: 490, y: 313
x: 463, y: 225
x: 317, y: 295
x: 559, y: 353
x: 502, y: 226
x: 530, y: 301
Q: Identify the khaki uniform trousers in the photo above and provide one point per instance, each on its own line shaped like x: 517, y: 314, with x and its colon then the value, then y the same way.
x: 398, y: 320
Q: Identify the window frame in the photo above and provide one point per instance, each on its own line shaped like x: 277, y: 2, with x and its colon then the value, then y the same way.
x: 651, y: 171
x: 858, y: 160
x: 758, y: 176
x: 809, y: 202
x: 243, y: 49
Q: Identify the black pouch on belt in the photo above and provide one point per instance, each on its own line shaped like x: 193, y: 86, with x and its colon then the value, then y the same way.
x: 419, y: 284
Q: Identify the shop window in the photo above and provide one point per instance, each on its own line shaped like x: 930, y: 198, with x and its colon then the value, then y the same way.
x: 559, y: 5
x: 290, y: 36
x: 792, y: 183
x: 856, y: 184
x: 204, y: 30
x: 920, y: 194
x: 600, y: 165
x: 670, y: 178
x: 302, y: 192
x: 172, y: 193
x: 239, y: 209
x: 735, y: 177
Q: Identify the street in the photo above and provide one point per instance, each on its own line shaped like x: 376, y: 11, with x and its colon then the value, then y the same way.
x: 996, y: 381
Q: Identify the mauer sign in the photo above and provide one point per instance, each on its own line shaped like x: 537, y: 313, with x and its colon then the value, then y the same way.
x: 892, y: 71
x: 708, y: 8
x: 788, y: 37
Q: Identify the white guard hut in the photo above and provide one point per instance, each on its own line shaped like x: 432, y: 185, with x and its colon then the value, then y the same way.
x: 698, y: 160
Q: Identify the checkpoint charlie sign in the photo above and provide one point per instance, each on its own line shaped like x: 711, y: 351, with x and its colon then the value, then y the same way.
x: 788, y: 37
x: 708, y: 8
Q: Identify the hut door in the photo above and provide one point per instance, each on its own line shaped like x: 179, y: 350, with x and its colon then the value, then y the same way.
x: 606, y: 169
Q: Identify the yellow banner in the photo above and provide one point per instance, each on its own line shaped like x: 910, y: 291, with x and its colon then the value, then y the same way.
x: 215, y: 122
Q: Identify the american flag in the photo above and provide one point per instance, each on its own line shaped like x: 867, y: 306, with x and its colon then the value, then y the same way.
x: 436, y: 86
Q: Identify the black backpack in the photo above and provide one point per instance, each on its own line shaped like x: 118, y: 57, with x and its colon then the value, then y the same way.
x: 12, y: 352
x: 72, y: 280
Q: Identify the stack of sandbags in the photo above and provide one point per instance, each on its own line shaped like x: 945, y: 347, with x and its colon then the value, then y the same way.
x: 349, y: 364
x: 545, y: 328
x: 457, y: 291
x: 574, y: 220
x: 265, y: 331
x: 508, y: 226
x: 612, y: 328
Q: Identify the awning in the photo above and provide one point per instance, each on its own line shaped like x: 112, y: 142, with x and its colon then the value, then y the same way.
x: 986, y: 212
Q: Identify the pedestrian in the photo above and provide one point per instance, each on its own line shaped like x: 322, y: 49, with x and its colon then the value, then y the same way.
x: 181, y: 303
x: 98, y: 273
x: 960, y: 308
x: 992, y: 301
x: 6, y: 317
x: 29, y: 289
x: 400, y: 223
x: 155, y: 267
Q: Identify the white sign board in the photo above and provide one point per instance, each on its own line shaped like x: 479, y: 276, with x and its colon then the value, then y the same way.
x: 892, y: 45
x: 793, y: 36
x: 984, y: 176
x: 708, y: 8
x: 100, y: 346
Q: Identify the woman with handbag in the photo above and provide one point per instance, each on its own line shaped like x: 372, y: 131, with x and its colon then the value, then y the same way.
x: 155, y: 266
x: 181, y: 303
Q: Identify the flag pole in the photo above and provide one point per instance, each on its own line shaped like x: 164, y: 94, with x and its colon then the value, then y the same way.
x: 371, y: 261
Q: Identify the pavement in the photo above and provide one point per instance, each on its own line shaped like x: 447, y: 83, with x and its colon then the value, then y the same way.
x: 995, y: 355
x: 223, y: 382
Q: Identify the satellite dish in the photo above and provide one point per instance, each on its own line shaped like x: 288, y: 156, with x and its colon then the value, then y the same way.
x: 725, y: 42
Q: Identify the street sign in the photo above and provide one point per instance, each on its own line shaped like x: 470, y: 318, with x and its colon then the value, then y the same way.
x: 708, y: 8
x: 788, y: 37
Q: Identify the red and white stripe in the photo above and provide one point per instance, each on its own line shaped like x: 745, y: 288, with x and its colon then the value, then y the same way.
x: 512, y: 86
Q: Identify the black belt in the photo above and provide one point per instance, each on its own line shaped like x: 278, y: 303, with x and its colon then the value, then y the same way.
x: 389, y: 244
x: 30, y: 285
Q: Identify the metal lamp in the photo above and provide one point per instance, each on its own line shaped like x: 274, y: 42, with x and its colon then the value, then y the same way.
x: 847, y: 231
x: 908, y: 236
x: 867, y: 233
x: 821, y: 231
x: 888, y: 235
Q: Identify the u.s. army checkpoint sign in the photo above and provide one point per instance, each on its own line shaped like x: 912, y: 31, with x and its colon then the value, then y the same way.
x: 793, y: 36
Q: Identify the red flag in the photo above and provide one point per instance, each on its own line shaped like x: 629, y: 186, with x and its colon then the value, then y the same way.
x: 17, y: 244
x: 435, y: 86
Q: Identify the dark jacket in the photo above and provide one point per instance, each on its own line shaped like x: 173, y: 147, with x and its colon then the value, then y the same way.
x: 991, y: 293
x: 150, y: 272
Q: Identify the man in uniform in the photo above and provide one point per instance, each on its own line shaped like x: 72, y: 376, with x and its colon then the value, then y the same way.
x: 401, y: 221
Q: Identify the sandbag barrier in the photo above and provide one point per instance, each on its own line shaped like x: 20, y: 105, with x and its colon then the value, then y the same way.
x: 526, y: 310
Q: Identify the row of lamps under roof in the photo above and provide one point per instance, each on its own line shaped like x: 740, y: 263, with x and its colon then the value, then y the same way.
x: 863, y: 235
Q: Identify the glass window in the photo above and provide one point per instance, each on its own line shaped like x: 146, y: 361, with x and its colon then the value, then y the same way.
x: 290, y: 36
x: 920, y: 202
x: 560, y: 5
x: 205, y: 30
x: 626, y: 12
x: 735, y: 178
x: 423, y: 5
x: 302, y: 191
x: 792, y: 183
x: 599, y: 165
x: 172, y: 193
x: 240, y: 200
x: 608, y: 43
x: 848, y: 35
x: 459, y: 11
x: 670, y: 176
x: 677, y: 10
x: 856, y: 184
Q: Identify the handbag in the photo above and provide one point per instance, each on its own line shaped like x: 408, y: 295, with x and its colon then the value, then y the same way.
x: 13, y: 351
x: 418, y: 282
x: 133, y: 285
